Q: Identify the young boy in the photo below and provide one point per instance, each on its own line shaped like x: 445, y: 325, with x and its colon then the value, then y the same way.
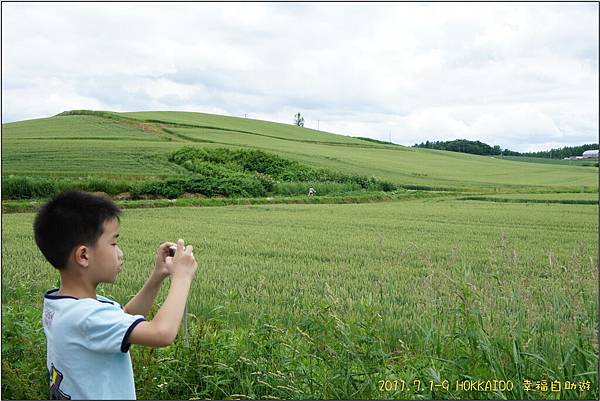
x: 88, y: 336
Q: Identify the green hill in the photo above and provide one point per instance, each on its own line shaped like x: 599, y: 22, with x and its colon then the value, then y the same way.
x: 494, y: 281
x: 137, y: 146
x: 545, y: 160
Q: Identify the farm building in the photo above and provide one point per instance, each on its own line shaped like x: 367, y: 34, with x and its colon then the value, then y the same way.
x: 590, y: 154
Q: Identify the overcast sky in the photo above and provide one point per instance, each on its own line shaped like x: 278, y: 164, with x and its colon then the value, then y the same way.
x: 522, y: 76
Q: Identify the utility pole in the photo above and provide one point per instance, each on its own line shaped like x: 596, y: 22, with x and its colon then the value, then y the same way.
x: 390, y: 135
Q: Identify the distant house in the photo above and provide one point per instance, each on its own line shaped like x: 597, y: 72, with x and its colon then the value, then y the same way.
x: 587, y: 155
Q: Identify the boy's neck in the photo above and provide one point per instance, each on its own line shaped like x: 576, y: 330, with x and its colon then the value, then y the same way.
x: 76, y: 287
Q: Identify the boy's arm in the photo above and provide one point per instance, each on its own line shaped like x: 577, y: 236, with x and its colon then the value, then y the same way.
x: 143, y: 300
x: 141, y: 303
x: 162, y: 330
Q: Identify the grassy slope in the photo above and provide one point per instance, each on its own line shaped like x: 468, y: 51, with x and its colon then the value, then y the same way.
x: 84, y: 145
x: 136, y: 144
x: 267, y: 128
x: 551, y: 196
x: 549, y: 161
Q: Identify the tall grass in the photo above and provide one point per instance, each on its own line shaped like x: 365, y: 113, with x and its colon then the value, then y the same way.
x: 18, y: 187
x: 322, y: 188
x: 324, y: 301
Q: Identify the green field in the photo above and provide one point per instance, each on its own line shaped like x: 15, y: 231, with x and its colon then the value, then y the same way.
x: 589, y: 163
x: 397, y: 299
x: 552, y: 196
x: 134, y: 144
x: 489, y: 277
x: 582, y: 198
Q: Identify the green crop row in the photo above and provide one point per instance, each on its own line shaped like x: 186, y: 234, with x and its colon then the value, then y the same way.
x: 532, y: 200
x: 323, y: 301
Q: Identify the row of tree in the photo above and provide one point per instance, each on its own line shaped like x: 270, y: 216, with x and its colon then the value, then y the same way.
x: 462, y: 145
x: 480, y: 148
x: 561, y: 153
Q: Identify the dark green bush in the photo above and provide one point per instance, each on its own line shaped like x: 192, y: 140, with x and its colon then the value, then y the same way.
x: 241, y: 185
x: 269, y: 169
x: 387, y: 186
x: 38, y: 187
x: 214, y: 172
x: 26, y: 188
x: 233, y: 184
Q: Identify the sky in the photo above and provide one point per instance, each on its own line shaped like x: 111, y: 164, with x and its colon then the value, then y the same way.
x: 523, y: 76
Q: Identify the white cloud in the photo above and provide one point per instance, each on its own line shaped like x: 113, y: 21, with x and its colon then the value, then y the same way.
x: 513, y: 74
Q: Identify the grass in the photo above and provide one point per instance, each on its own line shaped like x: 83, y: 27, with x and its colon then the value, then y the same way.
x: 244, y: 125
x: 99, y: 158
x: 32, y: 205
x: 552, y: 196
x: 348, y: 294
x: 543, y: 160
x: 209, y: 172
x: 76, y: 127
x: 142, y: 149
x: 565, y: 198
x: 412, y: 166
x: 300, y: 301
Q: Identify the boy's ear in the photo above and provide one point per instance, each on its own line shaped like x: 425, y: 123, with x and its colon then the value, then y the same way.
x: 81, y: 254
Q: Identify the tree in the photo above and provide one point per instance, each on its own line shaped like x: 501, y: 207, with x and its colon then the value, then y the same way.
x: 299, y: 120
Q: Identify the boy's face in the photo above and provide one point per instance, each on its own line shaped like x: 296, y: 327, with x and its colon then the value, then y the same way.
x: 106, y: 258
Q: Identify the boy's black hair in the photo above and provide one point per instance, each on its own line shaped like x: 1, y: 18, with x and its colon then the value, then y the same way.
x: 70, y: 219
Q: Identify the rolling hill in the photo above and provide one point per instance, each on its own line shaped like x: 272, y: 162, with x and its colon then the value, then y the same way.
x: 317, y: 301
x: 136, y: 145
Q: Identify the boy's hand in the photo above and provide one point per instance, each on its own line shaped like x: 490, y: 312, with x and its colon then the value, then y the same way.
x: 162, y: 330
x: 183, y: 263
x: 161, y: 270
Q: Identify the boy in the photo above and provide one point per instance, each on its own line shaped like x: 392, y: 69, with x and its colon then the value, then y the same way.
x: 88, y: 336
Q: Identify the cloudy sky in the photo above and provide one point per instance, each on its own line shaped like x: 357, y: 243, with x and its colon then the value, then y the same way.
x: 522, y: 76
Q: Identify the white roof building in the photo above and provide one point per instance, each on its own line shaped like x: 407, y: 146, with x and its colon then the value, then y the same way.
x: 590, y: 153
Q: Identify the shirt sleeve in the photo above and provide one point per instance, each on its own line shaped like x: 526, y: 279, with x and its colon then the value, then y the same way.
x: 107, y: 328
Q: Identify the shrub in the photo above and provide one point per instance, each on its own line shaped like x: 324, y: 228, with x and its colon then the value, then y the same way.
x: 26, y: 188
x: 323, y: 188
x: 269, y: 169
x: 38, y: 187
x: 240, y: 185
x: 215, y: 171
